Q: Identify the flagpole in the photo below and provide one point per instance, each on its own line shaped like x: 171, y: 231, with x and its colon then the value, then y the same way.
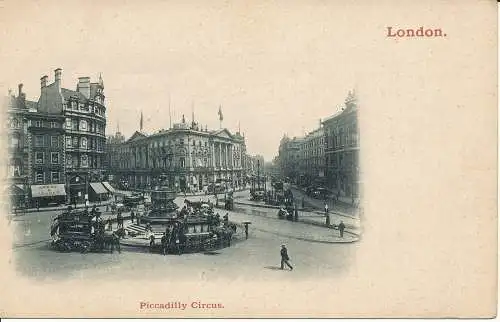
x: 169, y: 111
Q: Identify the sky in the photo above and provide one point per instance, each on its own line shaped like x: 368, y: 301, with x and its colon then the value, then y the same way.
x: 274, y: 69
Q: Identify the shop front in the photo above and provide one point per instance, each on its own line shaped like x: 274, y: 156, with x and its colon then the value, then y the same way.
x: 48, y: 195
x: 17, y: 195
x: 97, y: 192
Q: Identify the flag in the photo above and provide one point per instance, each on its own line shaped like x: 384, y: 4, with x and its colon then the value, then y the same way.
x: 221, y: 117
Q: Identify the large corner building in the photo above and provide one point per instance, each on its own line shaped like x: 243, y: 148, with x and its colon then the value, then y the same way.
x: 56, y: 144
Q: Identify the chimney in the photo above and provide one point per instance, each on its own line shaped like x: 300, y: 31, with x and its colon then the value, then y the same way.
x: 57, y: 77
x: 43, y: 81
x: 20, y: 86
x: 84, y: 86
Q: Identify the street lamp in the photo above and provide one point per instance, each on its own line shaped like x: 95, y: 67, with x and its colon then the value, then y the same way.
x: 258, y: 174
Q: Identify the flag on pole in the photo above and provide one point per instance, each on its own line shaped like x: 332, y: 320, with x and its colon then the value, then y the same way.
x: 221, y: 117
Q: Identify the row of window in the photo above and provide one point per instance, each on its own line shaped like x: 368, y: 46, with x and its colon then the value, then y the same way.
x: 84, y: 125
x: 84, y: 143
x: 40, y: 157
x: 15, y: 123
x: 40, y: 177
x: 46, y: 140
x: 73, y: 105
x: 181, y: 141
x: 43, y: 123
x: 83, y: 161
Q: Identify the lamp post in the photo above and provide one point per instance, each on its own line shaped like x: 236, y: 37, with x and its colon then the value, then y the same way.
x: 258, y: 174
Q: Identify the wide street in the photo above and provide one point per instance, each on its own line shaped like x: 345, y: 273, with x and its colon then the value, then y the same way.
x: 315, y: 251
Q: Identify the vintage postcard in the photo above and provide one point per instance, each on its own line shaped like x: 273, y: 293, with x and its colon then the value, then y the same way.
x: 249, y: 159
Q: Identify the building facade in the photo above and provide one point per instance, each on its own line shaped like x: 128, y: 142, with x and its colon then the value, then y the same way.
x: 56, y: 144
x: 85, y: 141
x: 342, y: 149
x: 289, y: 157
x: 18, y: 145
x: 191, y: 158
x: 312, y: 158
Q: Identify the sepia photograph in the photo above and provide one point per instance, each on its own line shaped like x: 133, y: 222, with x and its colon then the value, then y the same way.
x: 240, y: 159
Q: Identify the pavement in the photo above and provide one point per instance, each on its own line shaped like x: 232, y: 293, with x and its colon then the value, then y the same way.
x: 312, y: 231
x: 306, y: 215
x: 344, y: 205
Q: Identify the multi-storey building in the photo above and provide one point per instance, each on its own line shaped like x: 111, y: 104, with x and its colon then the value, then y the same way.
x: 46, y: 157
x: 85, y: 126
x: 191, y: 158
x: 56, y: 144
x: 312, y: 158
x: 112, y: 155
x: 289, y: 157
x: 342, y: 149
x: 17, y: 143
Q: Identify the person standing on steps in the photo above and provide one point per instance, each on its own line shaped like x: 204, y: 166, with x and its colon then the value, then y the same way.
x: 284, y: 257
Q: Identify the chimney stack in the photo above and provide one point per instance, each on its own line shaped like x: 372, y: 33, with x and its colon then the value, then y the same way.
x: 43, y: 81
x: 20, y: 86
x: 84, y: 86
x: 57, y: 77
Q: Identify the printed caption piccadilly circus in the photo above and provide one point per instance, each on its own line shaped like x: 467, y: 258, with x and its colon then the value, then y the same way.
x: 420, y: 32
x: 177, y: 305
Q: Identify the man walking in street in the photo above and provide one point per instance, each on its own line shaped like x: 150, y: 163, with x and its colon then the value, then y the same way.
x: 284, y: 257
x: 341, y: 229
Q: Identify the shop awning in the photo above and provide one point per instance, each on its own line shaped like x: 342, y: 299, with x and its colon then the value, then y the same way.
x: 17, y: 190
x: 49, y: 190
x: 98, y: 188
x: 108, y: 187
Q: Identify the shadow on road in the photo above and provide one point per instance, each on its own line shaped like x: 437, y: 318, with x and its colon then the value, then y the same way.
x: 273, y: 268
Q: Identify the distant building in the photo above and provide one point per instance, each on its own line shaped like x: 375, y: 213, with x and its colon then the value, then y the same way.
x: 312, y: 158
x: 190, y: 156
x: 289, y: 157
x: 342, y: 149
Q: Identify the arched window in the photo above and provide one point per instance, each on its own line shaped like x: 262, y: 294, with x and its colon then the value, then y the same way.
x: 83, y: 125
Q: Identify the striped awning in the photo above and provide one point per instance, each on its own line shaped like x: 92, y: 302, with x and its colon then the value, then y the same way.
x: 108, y: 187
x: 98, y: 188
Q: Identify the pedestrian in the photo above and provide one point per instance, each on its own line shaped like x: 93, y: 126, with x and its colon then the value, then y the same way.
x: 132, y: 216
x: 37, y: 205
x: 341, y: 229
x: 151, y: 242
x: 115, y: 243
x: 246, y: 230
x: 110, y: 225
x: 119, y: 219
x: 284, y: 257
x: 326, y: 209
x: 164, y: 243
